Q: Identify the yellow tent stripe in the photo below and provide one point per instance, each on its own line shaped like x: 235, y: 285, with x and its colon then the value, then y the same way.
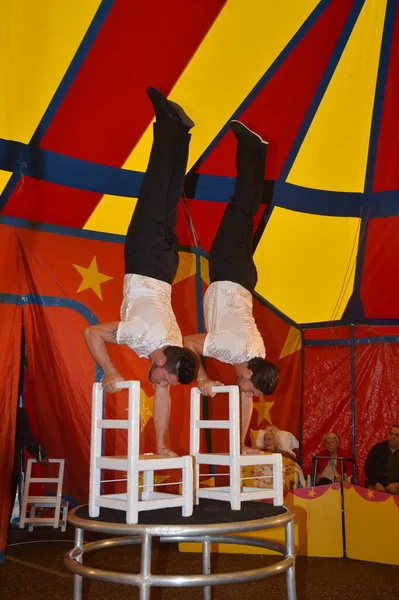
x: 292, y: 343
x: 204, y: 264
x: 333, y: 155
x: 186, y: 268
x: 39, y: 40
x: 306, y: 264
x: 112, y: 214
x: 243, y: 42
x: 4, y: 178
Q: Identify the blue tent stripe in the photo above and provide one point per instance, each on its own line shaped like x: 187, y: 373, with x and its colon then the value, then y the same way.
x: 385, y: 339
x: 59, y: 95
x: 76, y: 63
x: 92, y: 177
x: 302, y: 31
x: 323, y: 85
x: 380, y: 90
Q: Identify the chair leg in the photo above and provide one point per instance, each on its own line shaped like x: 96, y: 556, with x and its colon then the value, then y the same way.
x: 132, y: 509
x: 188, y: 486
x: 148, y: 485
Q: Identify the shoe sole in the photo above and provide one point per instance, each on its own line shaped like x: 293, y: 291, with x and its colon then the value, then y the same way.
x: 239, y: 128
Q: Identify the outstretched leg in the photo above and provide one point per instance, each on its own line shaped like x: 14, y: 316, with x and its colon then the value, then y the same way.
x: 150, y: 246
x: 231, y: 252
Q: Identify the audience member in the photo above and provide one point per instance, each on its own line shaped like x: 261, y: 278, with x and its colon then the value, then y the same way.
x: 292, y: 472
x: 329, y: 470
x: 382, y: 464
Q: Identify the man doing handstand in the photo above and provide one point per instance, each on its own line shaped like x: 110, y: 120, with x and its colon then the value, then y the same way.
x: 233, y: 336
x: 148, y: 325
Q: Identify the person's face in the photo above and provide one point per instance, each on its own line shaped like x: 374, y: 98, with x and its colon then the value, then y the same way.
x: 247, y: 387
x: 331, y: 444
x: 393, y: 438
x: 269, y: 442
x: 160, y: 376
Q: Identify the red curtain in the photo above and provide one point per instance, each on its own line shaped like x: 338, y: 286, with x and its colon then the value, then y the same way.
x: 377, y: 400
x: 327, y: 400
x: 10, y: 327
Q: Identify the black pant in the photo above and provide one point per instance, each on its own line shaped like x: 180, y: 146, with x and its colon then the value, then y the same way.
x: 231, y: 254
x: 151, y: 242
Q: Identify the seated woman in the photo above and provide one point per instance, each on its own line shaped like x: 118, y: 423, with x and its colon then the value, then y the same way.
x: 330, y: 469
x: 292, y: 472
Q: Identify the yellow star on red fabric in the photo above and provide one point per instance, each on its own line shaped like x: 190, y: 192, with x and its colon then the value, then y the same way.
x: 370, y: 494
x: 263, y: 408
x: 146, y: 409
x: 311, y: 493
x: 91, y: 278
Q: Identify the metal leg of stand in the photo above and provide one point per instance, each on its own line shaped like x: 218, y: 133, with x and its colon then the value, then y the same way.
x: 290, y: 573
x: 78, y: 579
x: 206, y: 566
x: 146, y: 549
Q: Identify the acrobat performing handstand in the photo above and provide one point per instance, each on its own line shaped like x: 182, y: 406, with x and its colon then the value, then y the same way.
x: 232, y: 335
x: 148, y: 325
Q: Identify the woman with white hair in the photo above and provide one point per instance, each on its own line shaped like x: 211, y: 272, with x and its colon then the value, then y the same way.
x: 292, y: 472
x: 330, y: 469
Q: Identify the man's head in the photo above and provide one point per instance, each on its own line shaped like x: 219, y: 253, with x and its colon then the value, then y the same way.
x: 173, y: 365
x: 260, y: 378
x: 393, y: 438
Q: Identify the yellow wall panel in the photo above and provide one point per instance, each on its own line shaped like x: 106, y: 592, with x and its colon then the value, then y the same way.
x: 243, y: 42
x: 371, y: 526
x: 333, y: 155
x: 314, y: 535
x: 112, y: 215
x: 39, y: 40
x: 306, y: 264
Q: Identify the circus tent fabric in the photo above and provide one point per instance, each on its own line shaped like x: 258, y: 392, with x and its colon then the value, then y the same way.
x: 319, y: 80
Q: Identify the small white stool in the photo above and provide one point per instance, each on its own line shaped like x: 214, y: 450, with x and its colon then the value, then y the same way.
x: 234, y: 493
x: 134, y: 499
x: 57, y: 502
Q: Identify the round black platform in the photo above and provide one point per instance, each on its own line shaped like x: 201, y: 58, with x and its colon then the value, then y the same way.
x: 207, y: 512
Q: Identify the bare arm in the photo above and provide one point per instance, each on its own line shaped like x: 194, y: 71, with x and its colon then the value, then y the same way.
x: 97, y: 337
x: 195, y: 343
x: 161, y: 419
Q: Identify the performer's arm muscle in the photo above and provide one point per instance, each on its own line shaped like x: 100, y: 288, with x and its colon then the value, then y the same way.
x: 196, y: 344
x: 97, y: 337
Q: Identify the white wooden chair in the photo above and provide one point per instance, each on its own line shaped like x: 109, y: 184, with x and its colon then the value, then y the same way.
x: 137, y: 498
x: 236, y: 492
x: 57, y: 502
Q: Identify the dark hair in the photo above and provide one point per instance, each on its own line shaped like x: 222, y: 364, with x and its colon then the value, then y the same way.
x: 180, y: 362
x: 264, y: 375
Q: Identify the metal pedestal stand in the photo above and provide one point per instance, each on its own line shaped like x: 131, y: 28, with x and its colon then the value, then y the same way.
x: 203, y: 526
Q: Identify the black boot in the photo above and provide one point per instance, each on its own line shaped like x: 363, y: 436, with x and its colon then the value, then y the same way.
x: 166, y: 108
x: 243, y: 133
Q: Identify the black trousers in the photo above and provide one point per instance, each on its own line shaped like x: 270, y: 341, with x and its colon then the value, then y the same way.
x: 231, y: 254
x: 151, y: 242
